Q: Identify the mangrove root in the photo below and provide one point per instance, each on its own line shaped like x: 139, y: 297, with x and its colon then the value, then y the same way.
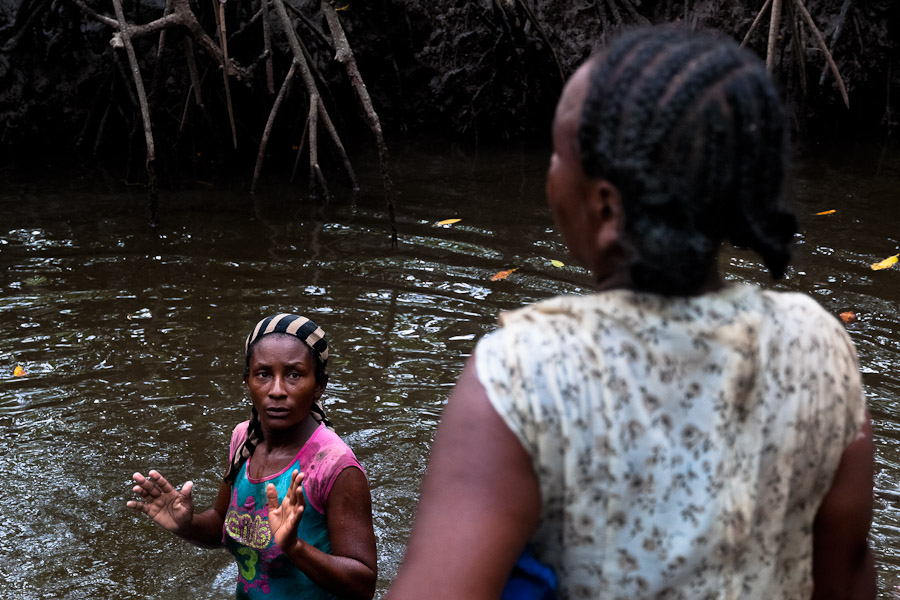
x: 774, y: 23
x: 344, y: 55
x: 179, y: 14
x: 142, y: 98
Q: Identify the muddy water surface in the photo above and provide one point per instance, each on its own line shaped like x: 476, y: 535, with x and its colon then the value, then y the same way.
x: 132, y: 339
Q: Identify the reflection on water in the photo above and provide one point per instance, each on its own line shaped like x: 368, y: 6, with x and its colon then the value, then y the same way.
x: 132, y: 339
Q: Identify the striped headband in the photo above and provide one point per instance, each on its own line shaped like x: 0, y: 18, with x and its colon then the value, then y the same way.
x: 308, y: 332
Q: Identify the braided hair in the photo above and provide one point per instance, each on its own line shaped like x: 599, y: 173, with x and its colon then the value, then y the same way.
x: 690, y: 129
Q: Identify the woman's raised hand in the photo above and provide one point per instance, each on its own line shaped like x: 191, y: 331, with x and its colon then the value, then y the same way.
x: 170, y: 508
x: 285, y: 518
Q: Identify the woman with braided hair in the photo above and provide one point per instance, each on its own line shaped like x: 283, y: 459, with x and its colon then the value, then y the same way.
x: 671, y: 435
x: 294, y: 507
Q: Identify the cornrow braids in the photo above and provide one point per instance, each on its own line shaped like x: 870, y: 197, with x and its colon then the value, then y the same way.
x: 691, y: 130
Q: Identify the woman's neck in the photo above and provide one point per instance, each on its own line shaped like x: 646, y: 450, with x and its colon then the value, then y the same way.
x: 619, y: 278
x: 288, y: 439
x: 278, y: 449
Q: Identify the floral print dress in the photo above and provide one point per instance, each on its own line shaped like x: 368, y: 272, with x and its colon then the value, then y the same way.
x: 682, y: 445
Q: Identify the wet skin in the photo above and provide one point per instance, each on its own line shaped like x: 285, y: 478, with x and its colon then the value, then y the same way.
x: 283, y: 387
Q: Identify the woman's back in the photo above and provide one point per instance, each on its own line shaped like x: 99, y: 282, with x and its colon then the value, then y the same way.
x: 679, y: 443
x: 668, y: 436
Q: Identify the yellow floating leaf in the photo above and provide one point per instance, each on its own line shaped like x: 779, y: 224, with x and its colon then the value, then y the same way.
x: 448, y: 221
x: 887, y: 263
x: 848, y: 317
x: 19, y: 371
x: 826, y: 212
x: 557, y: 263
x: 503, y: 274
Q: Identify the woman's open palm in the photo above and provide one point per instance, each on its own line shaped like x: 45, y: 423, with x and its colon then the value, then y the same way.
x: 284, y: 518
x: 170, y: 508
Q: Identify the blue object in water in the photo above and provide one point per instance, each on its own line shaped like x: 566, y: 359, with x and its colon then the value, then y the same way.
x: 530, y: 580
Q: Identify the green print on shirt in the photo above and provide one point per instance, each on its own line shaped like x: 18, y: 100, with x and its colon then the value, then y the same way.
x: 246, y: 560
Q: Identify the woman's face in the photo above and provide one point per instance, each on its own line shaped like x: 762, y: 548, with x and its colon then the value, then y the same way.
x: 566, y: 179
x: 282, y: 381
x: 588, y: 212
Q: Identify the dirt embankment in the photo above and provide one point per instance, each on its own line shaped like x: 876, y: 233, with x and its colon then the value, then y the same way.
x: 475, y: 68
x: 492, y: 67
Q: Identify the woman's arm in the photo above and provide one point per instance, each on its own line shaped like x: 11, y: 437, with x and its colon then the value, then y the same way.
x: 479, y: 504
x: 843, y: 567
x: 350, y: 570
x: 173, y: 509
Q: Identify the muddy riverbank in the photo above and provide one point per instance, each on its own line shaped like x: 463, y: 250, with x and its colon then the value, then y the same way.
x: 487, y: 69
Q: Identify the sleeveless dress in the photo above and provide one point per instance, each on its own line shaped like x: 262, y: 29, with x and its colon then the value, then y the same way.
x: 264, y: 571
x: 682, y: 445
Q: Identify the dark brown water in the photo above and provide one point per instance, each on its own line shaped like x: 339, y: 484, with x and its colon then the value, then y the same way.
x: 132, y: 338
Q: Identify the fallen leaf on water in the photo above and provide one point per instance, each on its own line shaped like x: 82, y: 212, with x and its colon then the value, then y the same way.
x: 503, y: 274
x: 448, y: 221
x: 887, y: 263
x: 826, y: 212
x: 557, y: 263
x: 19, y: 371
x: 848, y: 317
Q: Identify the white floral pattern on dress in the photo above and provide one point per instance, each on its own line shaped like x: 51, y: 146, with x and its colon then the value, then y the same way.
x: 683, y: 445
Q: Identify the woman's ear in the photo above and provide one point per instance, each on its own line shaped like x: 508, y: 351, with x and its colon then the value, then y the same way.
x: 604, y: 202
x: 607, y: 217
x: 320, y: 386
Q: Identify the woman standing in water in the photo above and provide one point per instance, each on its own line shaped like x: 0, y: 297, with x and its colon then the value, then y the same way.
x: 294, y: 508
x: 671, y: 435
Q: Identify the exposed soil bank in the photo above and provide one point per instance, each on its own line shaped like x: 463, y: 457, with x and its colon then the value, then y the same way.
x: 483, y: 69
x: 487, y: 69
